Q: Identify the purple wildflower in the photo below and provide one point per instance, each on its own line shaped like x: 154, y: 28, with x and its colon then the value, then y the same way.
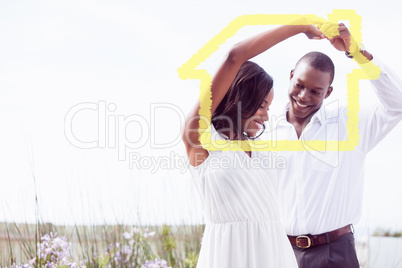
x: 53, y: 251
x: 155, y: 264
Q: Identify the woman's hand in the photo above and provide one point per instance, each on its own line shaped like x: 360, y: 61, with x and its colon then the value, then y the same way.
x: 312, y: 32
x: 309, y: 25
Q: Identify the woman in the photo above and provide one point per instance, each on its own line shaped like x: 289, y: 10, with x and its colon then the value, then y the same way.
x: 243, y: 227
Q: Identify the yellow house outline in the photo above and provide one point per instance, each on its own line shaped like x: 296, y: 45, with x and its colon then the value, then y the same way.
x: 367, y: 71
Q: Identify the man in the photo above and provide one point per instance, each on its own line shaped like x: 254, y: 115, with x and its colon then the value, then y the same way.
x: 321, y: 194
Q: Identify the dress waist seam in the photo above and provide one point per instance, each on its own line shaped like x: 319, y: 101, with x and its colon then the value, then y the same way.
x: 243, y: 221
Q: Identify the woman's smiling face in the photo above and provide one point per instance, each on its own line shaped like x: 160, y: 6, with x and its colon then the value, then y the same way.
x: 253, y: 125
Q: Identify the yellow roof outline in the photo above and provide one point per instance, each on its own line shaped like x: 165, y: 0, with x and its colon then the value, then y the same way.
x: 367, y: 71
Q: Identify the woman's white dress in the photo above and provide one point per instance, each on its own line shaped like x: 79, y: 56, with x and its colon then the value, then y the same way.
x: 243, y: 227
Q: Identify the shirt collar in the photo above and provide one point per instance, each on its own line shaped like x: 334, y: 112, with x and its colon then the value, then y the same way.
x: 317, y: 116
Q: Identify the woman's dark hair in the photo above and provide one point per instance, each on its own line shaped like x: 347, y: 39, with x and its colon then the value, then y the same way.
x: 246, y: 94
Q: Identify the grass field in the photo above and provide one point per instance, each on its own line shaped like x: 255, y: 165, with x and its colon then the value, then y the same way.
x: 142, y: 246
x: 98, y: 246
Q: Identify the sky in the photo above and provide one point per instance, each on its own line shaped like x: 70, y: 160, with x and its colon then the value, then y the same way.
x: 91, y: 104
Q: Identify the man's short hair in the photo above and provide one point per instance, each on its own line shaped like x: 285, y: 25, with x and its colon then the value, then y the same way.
x: 320, y: 62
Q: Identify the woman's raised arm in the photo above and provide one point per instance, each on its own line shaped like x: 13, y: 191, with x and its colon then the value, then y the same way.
x: 223, y: 79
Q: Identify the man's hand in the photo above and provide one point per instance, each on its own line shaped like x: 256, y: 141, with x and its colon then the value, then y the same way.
x: 340, y: 37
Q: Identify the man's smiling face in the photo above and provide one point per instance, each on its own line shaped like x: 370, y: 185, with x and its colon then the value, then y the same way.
x: 307, y: 91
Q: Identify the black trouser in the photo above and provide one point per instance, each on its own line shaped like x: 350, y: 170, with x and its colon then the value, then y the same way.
x: 339, y: 253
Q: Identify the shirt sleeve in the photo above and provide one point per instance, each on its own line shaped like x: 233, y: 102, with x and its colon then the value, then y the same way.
x: 379, y: 119
x: 388, y: 88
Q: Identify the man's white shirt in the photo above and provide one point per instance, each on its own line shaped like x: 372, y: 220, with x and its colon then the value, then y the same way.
x: 322, y: 191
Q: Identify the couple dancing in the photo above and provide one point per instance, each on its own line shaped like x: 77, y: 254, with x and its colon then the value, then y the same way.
x: 318, y: 202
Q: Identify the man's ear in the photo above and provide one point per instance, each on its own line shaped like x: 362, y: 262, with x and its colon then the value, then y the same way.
x: 292, y: 72
x: 329, y: 91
